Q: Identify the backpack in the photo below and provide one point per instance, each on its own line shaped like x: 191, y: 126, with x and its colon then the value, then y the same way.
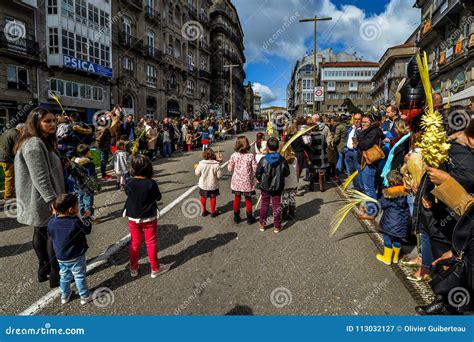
x: 87, y: 182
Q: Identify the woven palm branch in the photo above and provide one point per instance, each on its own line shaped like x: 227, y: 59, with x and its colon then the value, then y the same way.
x: 355, y: 199
x: 55, y: 98
x: 349, y: 180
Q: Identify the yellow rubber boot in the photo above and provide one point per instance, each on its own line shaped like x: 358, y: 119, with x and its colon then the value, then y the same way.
x: 396, y: 254
x: 386, y: 258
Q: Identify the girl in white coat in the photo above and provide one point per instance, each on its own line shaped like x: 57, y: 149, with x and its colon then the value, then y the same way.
x: 209, y: 170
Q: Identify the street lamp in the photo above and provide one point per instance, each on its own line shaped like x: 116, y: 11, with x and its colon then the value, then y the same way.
x: 231, y: 66
x: 315, y: 20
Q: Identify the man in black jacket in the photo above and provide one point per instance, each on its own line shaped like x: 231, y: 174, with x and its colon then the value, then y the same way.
x: 271, y: 173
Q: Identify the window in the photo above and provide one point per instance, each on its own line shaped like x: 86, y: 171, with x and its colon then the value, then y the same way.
x: 97, y: 94
x: 81, y: 47
x: 94, y: 52
x: 104, y: 55
x: 68, y: 43
x: 93, y: 16
x: 85, y: 91
x: 81, y: 11
x: 53, y: 40
x: 190, y: 58
x: 57, y: 85
x: 127, y: 65
x: 75, y: 90
x: 104, y: 20
x: 17, y: 77
x: 52, y: 6
x: 126, y: 25
x: 190, y: 86
x: 150, y: 3
x: 151, y: 75
x: 67, y: 9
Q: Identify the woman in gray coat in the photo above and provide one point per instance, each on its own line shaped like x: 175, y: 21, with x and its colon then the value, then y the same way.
x: 39, y: 181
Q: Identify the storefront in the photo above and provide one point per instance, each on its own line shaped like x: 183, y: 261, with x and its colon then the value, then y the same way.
x: 13, y: 113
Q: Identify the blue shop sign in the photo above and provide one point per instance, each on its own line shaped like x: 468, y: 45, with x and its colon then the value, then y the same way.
x: 79, y: 64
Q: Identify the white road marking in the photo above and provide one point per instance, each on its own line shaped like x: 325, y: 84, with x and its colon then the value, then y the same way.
x: 98, y: 261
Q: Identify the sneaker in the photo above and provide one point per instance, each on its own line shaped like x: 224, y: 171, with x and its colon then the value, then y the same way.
x: 133, y: 273
x: 261, y: 227
x: 65, y: 300
x: 276, y: 230
x: 162, y: 270
x: 86, y: 300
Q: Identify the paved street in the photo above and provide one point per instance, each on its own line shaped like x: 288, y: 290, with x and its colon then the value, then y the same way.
x: 218, y: 267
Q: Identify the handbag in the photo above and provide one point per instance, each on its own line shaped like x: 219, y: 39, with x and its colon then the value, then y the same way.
x: 372, y: 155
x: 453, y: 277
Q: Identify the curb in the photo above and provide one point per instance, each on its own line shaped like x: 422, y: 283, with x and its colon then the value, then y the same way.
x: 420, y: 291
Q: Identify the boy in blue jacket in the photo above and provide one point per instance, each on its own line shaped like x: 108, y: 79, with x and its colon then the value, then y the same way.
x: 68, y: 235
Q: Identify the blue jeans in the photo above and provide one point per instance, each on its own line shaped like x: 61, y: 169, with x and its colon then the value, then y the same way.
x: 390, y: 241
x: 73, y: 270
x: 339, y: 163
x: 352, y: 165
x: 367, y: 178
x: 426, y: 254
x: 167, y: 150
x: 104, y: 158
x: 86, y: 202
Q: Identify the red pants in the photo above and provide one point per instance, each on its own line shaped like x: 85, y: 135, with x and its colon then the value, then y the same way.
x: 213, y: 204
x: 248, y: 204
x: 150, y: 230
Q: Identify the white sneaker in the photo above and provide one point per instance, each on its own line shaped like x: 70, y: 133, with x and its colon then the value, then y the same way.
x: 162, y: 270
x: 66, y: 300
x: 133, y: 273
x: 86, y: 300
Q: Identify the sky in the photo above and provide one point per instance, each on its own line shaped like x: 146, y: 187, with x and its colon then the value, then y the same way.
x: 274, y: 38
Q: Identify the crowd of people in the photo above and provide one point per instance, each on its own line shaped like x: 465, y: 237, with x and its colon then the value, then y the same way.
x: 49, y: 166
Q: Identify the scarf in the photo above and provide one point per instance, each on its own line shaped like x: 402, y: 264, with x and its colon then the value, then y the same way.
x: 388, y: 165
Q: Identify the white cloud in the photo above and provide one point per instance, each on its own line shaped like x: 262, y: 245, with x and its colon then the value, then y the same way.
x: 272, y: 27
x: 268, y: 96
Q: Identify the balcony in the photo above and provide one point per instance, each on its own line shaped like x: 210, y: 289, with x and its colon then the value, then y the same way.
x: 203, y: 45
x: 192, y: 10
x: 19, y: 48
x: 441, y: 15
x: 18, y: 85
x: 454, y: 56
x: 205, y: 74
x: 128, y: 72
x: 192, y: 69
x: 153, y: 16
x: 152, y: 52
x: 131, y: 42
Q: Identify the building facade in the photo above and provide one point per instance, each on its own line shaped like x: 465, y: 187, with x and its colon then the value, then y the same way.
x: 162, y: 54
x: 78, y: 52
x: 447, y: 36
x: 392, y: 70
x: 249, y: 100
x: 300, y: 88
x: 257, y: 105
x: 347, y: 80
x: 228, y: 50
x: 21, y: 59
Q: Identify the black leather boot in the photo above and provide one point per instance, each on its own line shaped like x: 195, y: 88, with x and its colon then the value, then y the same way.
x: 250, y: 219
x: 291, y: 212
x: 237, y: 218
x: 438, y: 307
x: 44, y: 269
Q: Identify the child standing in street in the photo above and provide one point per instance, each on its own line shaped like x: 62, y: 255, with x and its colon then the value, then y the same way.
x: 205, y: 139
x: 243, y: 165
x: 288, y: 198
x: 68, y: 236
x: 121, y: 157
x: 271, y: 173
x: 395, y: 220
x: 209, y: 170
x: 84, y: 178
x: 141, y: 209
x: 260, y: 146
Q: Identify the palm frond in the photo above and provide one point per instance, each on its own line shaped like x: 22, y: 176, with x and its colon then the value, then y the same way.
x: 349, y: 180
x: 296, y: 136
